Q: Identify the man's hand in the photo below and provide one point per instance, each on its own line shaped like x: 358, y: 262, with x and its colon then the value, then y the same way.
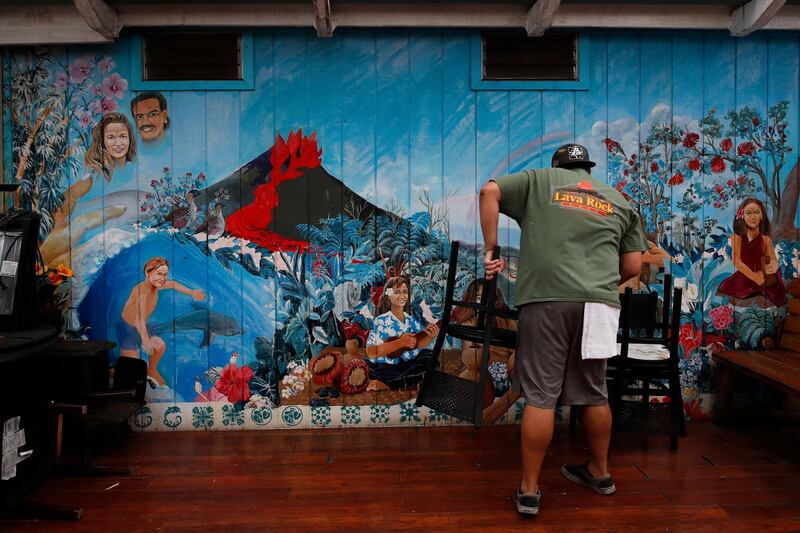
x: 492, y: 266
x: 198, y: 295
x: 760, y: 278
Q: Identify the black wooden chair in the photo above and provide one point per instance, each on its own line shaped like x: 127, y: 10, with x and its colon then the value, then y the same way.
x: 647, y: 366
x: 453, y: 395
x: 79, y: 376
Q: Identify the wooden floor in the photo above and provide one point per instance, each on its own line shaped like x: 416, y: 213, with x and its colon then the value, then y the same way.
x: 430, y: 480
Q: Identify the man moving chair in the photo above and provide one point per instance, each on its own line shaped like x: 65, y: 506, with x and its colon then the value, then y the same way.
x: 580, y: 239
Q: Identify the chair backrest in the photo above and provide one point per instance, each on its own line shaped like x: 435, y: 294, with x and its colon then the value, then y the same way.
x: 643, y: 312
x: 131, y: 373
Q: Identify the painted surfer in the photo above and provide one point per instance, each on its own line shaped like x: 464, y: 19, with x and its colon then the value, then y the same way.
x: 133, y: 329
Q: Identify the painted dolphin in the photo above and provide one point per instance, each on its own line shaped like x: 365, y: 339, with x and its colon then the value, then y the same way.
x: 202, y: 318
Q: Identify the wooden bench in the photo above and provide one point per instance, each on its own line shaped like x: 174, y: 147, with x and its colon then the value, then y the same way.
x: 779, y: 368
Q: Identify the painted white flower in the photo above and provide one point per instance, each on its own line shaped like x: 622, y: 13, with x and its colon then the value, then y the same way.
x: 389, y: 291
x: 679, y: 283
x: 678, y: 259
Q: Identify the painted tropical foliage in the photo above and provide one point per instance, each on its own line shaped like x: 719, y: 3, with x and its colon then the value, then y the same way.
x: 262, y: 227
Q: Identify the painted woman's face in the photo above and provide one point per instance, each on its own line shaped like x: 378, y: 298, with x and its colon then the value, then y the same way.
x: 116, y: 140
x: 752, y: 216
x: 158, y: 277
x: 399, y: 296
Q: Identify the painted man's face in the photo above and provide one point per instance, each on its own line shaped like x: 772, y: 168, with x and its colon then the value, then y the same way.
x: 150, y: 119
x: 158, y: 277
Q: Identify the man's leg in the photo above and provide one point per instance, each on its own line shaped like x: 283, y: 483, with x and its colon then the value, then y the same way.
x: 597, y: 421
x: 537, y: 431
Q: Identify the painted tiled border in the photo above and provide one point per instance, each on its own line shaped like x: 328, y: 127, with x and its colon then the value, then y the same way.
x: 223, y: 416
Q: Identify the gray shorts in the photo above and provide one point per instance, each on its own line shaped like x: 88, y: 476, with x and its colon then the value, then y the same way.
x: 548, y: 362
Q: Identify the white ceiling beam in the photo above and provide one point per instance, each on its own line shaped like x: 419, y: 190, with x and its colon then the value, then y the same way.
x: 753, y: 16
x: 322, y: 18
x: 63, y: 24
x: 540, y: 17
x: 246, y: 15
x: 100, y: 17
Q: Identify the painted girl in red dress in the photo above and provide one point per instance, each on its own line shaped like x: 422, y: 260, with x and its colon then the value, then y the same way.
x: 754, y: 257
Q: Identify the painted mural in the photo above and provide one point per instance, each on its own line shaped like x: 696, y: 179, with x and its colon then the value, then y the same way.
x: 278, y: 256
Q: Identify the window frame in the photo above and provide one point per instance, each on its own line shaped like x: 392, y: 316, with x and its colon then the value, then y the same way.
x: 477, y: 83
x: 247, y: 83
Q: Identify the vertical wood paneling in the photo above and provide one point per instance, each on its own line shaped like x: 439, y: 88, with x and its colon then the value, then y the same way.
x: 687, y: 107
x: 590, y: 108
x: 720, y: 70
x: 783, y: 84
x: 189, y: 155
x: 623, y: 91
x: 257, y: 121
x: 222, y: 149
x: 461, y: 181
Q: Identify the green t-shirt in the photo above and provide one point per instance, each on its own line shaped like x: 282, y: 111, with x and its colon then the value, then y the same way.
x: 574, y: 228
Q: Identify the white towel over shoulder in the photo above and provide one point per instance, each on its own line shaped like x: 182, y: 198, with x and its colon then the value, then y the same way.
x: 600, y: 325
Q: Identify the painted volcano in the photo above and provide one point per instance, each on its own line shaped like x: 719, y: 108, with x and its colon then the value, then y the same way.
x: 281, y: 188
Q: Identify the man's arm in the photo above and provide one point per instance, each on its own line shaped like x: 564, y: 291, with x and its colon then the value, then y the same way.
x: 630, y: 266
x: 490, y: 213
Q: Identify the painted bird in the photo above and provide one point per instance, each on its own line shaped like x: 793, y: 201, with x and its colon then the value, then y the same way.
x: 614, y: 147
x: 181, y: 217
x: 234, y: 358
x: 215, y: 225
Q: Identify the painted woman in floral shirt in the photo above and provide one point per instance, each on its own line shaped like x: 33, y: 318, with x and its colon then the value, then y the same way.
x: 397, y: 357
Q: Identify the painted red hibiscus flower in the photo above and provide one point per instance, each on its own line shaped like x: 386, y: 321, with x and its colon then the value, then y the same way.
x: 693, y: 164
x: 726, y: 145
x: 690, y: 339
x: 677, y: 179
x: 742, y: 180
x: 718, y: 165
x: 653, y: 167
x: 691, y: 139
x: 234, y: 382
x: 746, y: 148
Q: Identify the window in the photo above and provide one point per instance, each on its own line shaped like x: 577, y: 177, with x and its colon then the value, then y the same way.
x: 511, y: 56
x: 514, y: 61
x: 192, y: 60
x: 191, y: 56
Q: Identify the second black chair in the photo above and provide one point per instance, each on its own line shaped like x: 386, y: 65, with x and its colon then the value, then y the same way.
x: 453, y: 395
